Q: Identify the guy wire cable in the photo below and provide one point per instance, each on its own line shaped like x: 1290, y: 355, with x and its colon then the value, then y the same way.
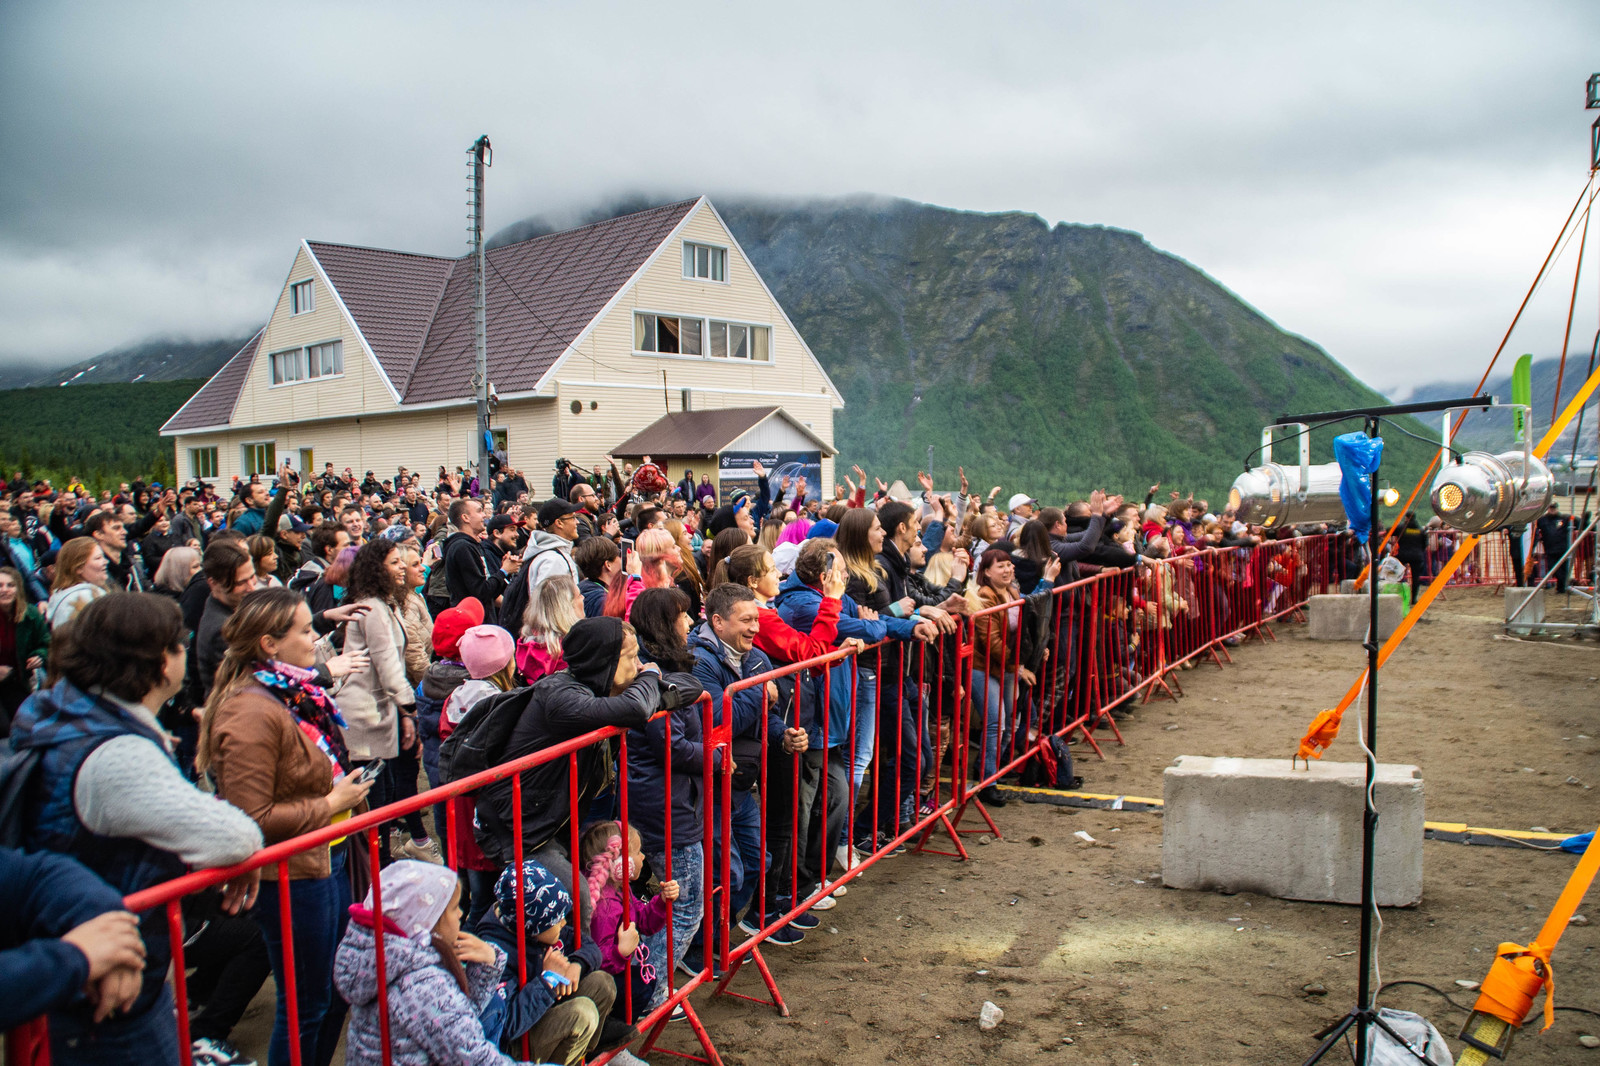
x: 1537, y: 280
x: 1572, y: 304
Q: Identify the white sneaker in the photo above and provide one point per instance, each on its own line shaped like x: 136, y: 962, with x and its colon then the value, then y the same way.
x: 826, y: 903
x: 847, y: 856
x: 627, y: 1058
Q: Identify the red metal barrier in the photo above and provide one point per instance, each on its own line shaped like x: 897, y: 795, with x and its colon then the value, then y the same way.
x: 1098, y: 643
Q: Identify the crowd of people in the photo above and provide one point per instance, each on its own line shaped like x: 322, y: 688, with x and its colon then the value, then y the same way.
x: 187, y: 676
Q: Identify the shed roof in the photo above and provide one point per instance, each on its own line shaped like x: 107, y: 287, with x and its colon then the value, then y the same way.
x: 706, y: 432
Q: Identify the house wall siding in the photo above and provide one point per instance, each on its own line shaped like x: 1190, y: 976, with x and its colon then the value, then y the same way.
x: 630, y: 391
x: 421, y: 441
x: 360, y: 390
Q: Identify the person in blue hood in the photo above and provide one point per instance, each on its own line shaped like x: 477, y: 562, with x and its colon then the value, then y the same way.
x: 826, y: 706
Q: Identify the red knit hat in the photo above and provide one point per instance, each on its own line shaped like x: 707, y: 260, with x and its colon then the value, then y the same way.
x: 452, y: 623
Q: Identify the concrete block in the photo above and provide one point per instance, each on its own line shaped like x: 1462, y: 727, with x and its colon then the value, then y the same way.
x: 1255, y: 825
x: 1529, y: 618
x: 1335, y: 617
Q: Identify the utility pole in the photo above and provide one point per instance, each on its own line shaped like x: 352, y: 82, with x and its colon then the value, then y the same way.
x: 482, y: 156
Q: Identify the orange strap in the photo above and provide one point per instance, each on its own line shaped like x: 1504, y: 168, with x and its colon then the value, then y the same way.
x: 1517, y: 975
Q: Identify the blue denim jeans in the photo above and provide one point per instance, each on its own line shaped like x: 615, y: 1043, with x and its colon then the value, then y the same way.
x: 320, y: 909
x: 997, y: 696
x: 150, y: 1037
x: 866, y: 723
x: 688, y: 869
x: 746, y: 858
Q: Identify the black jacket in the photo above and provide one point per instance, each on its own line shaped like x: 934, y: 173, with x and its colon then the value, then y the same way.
x: 557, y: 708
x: 470, y: 570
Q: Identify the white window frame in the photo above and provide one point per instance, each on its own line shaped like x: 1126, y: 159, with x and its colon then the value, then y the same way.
x: 706, y: 323
x: 295, y: 289
x: 749, y: 357
x: 691, y: 269
x: 247, y: 453
x: 196, y: 468
x: 304, y: 371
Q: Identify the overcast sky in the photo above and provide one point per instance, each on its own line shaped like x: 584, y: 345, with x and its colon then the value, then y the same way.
x: 1383, y: 178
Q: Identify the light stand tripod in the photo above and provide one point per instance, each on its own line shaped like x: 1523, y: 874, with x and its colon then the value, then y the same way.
x: 1364, y: 1014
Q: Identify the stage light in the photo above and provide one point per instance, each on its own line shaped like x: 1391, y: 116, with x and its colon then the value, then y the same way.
x: 1274, y: 495
x: 1390, y: 497
x: 1483, y: 492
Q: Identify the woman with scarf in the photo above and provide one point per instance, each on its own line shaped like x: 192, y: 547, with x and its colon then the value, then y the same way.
x: 273, y: 742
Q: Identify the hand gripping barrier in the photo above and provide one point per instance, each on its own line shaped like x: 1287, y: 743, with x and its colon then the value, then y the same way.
x: 947, y: 719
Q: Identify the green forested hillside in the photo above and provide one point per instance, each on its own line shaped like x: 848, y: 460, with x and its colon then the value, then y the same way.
x: 101, y: 433
x: 1051, y: 359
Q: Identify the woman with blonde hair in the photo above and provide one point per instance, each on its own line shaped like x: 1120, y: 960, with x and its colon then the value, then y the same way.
x: 80, y: 580
x: 555, y: 607
x: 654, y: 564
x: 273, y: 742
x: 177, y: 569
x: 689, y: 577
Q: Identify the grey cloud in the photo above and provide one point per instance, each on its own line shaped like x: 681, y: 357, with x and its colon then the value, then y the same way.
x: 1380, y: 178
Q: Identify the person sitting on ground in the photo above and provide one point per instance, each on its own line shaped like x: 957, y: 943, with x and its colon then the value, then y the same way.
x: 565, y: 1008
x: 439, y: 977
x: 617, y: 932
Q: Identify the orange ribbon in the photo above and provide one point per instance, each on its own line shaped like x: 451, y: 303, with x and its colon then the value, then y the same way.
x: 1515, y: 978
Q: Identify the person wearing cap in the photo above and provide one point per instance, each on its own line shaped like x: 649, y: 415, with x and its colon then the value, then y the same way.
x: 289, y: 536
x: 503, y: 534
x: 549, y: 549
x: 1020, y: 507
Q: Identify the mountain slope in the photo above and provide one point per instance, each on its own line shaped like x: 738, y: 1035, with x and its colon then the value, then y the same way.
x: 1049, y: 358
x: 102, y: 433
x: 157, y: 360
x: 1492, y: 429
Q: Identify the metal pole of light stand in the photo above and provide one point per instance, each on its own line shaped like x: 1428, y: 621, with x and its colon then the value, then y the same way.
x: 1369, y: 811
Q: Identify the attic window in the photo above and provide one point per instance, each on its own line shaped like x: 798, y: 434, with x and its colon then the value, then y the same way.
x: 300, y: 298
x: 705, y: 261
x: 667, y: 334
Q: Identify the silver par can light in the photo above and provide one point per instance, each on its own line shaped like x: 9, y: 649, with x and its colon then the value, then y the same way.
x: 1484, y: 492
x: 1272, y: 495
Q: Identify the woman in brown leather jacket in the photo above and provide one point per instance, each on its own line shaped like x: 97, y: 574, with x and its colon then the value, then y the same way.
x: 995, y: 665
x: 272, y: 740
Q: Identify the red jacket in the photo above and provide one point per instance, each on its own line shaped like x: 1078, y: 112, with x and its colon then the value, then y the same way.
x: 784, y: 644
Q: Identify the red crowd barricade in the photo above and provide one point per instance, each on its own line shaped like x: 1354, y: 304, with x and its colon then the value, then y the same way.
x: 952, y: 717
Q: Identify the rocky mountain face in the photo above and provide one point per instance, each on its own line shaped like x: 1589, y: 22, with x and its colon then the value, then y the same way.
x: 1492, y: 430
x: 1052, y: 358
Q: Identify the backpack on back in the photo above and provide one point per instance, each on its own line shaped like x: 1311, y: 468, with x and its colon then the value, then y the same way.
x: 17, y: 772
x: 479, y: 740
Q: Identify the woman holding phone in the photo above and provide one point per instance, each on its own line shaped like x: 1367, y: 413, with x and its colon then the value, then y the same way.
x: 272, y: 740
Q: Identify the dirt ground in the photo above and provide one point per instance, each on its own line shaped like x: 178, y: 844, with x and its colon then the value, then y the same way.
x: 1081, y: 943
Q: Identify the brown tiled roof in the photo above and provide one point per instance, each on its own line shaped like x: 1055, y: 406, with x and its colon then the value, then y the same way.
x: 705, y: 432
x: 415, y: 311
x: 391, y: 295
x: 542, y: 293
x: 213, y: 404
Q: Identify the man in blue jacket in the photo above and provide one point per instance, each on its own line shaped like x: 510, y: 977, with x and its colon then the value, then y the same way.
x: 724, y: 653
x: 63, y: 936
x: 828, y: 725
